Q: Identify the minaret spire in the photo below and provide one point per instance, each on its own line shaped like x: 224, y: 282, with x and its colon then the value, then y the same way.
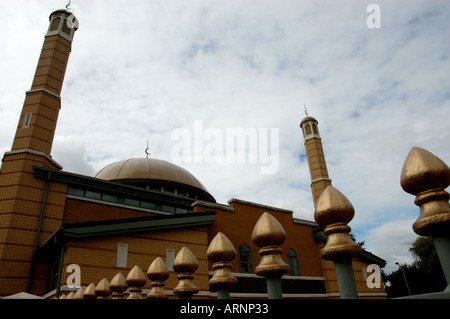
x: 147, y: 150
x: 316, y: 158
x: 37, y: 122
x: 27, y: 213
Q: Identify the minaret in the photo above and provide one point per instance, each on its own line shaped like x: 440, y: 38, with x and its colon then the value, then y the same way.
x: 40, y: 110
x: 316, y: 157
x: 30, y: 209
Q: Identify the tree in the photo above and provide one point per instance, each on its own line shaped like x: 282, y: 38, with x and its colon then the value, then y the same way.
x: 353, y: 237
x: 427, y: 259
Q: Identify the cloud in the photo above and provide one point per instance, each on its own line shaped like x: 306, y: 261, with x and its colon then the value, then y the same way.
x: 70, y: 153
x: 392, y: 241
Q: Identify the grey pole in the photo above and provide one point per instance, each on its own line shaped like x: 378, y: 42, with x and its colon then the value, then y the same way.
x: 346, y: 279
x: 404, y: 276
x: 223, y: 293
x: 274, y: 288
x: 442, y: 244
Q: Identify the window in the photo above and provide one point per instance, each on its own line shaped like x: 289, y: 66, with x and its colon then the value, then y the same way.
x: 245, y: 259
x: 148, y: 205
x: 131, y: 202
x: 109, y: 198
x: 315, y: 129
x: 168, y: 209
x: 122, y: 255
x: 307, y: 129
x: 65, y: 27
x: 169, y: 189
x: 55, y: 24
x: 293, y: 262
x: 26, y: 120
x: 181, y: 211
x: 93, y: 195
x: 75, y: 191
x: 53, y: 273
x: 170, y: 258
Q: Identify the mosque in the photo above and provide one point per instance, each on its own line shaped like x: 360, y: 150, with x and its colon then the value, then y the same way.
x: 138, y: 209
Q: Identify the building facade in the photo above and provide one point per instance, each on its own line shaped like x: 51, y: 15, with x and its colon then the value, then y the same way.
x: 136, y: 210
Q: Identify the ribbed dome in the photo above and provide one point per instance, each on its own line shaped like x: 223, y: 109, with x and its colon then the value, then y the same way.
x: 149, y: 169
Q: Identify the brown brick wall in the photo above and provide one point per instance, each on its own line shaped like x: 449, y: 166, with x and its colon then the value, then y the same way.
x: 21, y: 197
x: 97, y: 257
x: 238, y: 227
x: 78, y: 211
x: 52, y: 64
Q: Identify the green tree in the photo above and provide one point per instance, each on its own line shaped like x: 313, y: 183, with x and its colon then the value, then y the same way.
x: 427, y: 259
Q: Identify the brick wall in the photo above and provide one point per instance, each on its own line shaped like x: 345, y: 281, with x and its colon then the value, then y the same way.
x: 97, y: 257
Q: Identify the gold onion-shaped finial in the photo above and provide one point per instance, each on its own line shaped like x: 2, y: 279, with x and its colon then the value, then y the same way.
x: 89, y: 293
x: 426, y: 176
x: 102, y: 290
x: 334, y: 211
x: 70, y: 295
x: 221, y: 252
x: 135, y: 280
x: 157, y: 273
x: 269, y: 235
x: 78, y: 294
x: 185, y: 264
x: 118, y: 285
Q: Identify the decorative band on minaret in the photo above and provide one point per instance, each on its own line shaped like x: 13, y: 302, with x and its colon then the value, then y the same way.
x: 316, y: 157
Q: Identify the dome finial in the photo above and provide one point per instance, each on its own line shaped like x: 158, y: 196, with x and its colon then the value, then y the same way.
x: 306, y: 112
x: 147, y: 150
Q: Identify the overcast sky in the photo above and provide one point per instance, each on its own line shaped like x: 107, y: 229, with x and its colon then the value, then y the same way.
x: 144, y: 70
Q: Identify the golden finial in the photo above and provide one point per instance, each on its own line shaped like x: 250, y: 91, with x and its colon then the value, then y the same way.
x: 334, y: 211
x: 269, y: 235
x: 135, y: 280
x: 185, y: 264
x: 102, y: 290
x: 118, y: 285
x: 427, y: 176
x: 70, y: 295
x: 89, y: 293
x: 157, y: 273
x: 221, y: 252
x: 78, y: 294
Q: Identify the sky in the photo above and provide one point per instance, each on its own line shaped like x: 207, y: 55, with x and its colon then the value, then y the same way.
x: 173, y: 72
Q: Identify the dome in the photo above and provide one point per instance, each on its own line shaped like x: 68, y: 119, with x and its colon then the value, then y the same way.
x: 308, y: 118
x: 151, y: 172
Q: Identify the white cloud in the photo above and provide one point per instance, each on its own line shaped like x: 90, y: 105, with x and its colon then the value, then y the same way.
x: 70, y: 153
x: 392, y: 241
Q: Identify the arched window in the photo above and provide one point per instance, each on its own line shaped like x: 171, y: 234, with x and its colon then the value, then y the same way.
x: 307, y: 129
x: 315, y: 129
x: 293, y: 262
x: 55, y: 24
x: 245, y: 259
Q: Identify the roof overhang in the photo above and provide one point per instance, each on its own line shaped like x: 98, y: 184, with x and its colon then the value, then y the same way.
x: 79, y: 231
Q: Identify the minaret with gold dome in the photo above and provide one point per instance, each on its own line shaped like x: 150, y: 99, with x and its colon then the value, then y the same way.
x: 27, y: 214
x: 315, y: 155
